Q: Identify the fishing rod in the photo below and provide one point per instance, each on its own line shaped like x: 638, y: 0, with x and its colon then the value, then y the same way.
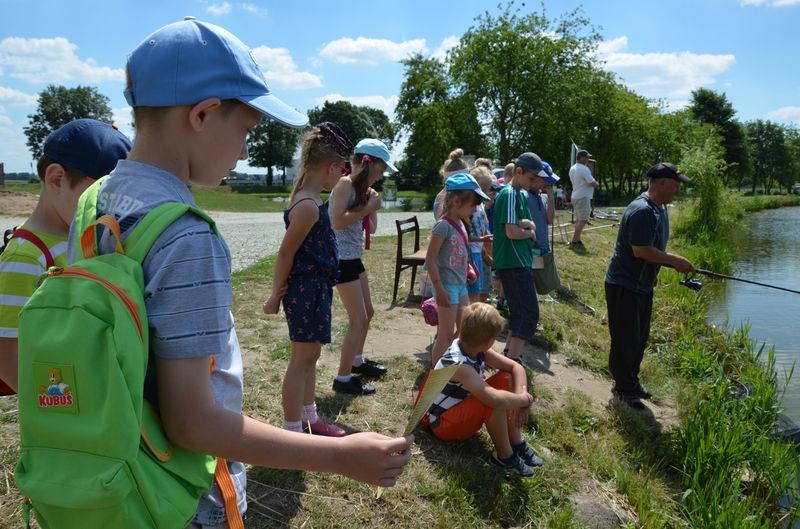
x: 695, y: 284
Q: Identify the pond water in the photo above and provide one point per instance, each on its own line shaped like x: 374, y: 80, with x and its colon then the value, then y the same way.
x: 770, y: 254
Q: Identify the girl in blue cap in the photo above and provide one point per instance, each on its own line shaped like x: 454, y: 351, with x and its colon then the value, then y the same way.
x: 448, y: 257
x: 354, y: 209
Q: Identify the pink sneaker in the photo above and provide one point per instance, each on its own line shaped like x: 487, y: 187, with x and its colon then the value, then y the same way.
x: 326, y: 428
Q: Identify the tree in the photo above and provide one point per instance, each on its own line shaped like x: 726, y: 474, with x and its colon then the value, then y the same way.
x: 770, y: 153
x: 522, y: 70
x: 272, y: 144
x: 710, y: 107
x: 436, y: 121
x: 357, y: 121
x: 59, y: 105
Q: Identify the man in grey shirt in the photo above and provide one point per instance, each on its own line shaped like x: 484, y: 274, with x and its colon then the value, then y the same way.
x: 639, y: 253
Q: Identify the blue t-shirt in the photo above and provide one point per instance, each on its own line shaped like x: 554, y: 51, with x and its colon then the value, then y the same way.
x: 187, y: 293
x: 537, y: 204
x: 644, y: 223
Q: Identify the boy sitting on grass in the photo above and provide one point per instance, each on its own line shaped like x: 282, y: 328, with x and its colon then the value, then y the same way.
x: 501, y: 402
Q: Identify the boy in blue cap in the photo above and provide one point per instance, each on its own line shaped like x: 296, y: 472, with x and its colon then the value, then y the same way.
x: 196, y: 93
x: 75, y: 155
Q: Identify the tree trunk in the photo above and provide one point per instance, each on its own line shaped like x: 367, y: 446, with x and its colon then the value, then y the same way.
x: 283, y: 177
x: 269, y: 176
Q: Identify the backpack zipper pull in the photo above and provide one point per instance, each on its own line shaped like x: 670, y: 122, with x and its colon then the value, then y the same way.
x: 52, y: 271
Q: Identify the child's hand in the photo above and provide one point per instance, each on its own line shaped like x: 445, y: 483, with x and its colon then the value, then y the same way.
x: 373, y: 458
x: 487, y: 237
x: 521, y: 417
x: 373, y: 201
x: 273, y: 303
x: 526, y: 224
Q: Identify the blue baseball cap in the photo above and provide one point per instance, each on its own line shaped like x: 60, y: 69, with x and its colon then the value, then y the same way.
x: 88, y: 146
x: 462, y: 181
x: 551, y: 177
x: 186, y: 62
x: 531, y: 162
x: 377, y: 149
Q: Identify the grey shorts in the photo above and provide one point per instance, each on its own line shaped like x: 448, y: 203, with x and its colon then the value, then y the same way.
x: 582, y: 208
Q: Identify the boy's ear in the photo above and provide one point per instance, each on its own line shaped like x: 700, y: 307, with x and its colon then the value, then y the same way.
x: 55, y: 178
x: 199, y: 112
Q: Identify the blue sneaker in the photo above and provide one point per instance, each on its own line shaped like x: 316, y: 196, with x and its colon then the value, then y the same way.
x: 513, y: 462
x: 527, y: 454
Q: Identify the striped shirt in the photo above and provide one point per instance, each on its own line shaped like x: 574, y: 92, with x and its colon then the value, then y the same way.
x: 454, y: 392
x: 21, y: 264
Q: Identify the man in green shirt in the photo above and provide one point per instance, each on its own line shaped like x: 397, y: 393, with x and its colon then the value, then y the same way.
x: 514, y: 233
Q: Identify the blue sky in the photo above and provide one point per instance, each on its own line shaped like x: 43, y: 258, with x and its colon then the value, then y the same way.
x: 351, y: 50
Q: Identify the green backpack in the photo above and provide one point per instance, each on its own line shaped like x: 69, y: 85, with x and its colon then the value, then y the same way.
x: 93, y: 451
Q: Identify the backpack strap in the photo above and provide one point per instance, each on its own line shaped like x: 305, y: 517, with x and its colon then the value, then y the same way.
x: 152, y: 225
x: 86, y: 212
x: 225, y: 484
x: 22, y: 233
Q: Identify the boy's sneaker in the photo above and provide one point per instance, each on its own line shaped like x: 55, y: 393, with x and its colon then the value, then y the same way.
x: 513, y: 462
x: 354, y: 386
x: 527, y: 454
x: 326, y: 428
x: 370, y: 368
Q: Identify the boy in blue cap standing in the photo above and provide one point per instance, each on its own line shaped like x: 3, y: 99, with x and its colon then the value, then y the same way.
x: 196, y: 93
x: 75, y: 155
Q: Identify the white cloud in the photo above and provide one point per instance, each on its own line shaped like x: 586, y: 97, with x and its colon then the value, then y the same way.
x: 786, y: 114
x: 254, y: 9
x: 671, y: 75
x: 122, y: 117
x: 17, y: 97
x: 770, y: 3
x: 370, y: 51
x: 219, y: 9
x: 281, y: 71
x: 447, y: 44
x: 52, y: 61
x: 387, y: 104
x: 4, y: 120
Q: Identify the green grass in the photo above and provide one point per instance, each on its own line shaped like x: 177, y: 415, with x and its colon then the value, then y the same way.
x: 23, y: 187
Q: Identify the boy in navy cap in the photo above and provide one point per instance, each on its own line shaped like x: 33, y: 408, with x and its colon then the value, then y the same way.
x: 196, y: 93
x: 75, y: 155
x: 514, y: 242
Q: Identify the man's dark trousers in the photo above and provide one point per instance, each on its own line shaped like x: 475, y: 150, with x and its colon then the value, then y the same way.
x: 629, y: 316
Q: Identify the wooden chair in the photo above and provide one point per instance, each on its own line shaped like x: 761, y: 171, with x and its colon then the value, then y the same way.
x: 406, y: 261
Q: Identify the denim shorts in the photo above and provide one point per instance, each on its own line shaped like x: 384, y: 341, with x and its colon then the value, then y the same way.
x: 455, y: 292
x: 523, y: 305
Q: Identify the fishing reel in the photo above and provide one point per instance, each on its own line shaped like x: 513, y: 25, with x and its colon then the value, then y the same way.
x: 692, y: 283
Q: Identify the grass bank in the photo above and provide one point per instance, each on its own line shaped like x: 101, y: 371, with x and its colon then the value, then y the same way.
x: 701, y: 457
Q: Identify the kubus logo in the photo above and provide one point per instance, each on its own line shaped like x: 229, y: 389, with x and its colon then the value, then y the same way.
x: 56, y: 387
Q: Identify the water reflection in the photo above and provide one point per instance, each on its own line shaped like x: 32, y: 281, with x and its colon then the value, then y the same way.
x: 770, y: 253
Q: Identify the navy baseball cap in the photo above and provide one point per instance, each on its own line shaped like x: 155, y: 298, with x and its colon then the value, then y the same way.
x: 377, y: 149
x: 89, y: 146
x: 186, y: 62
x: 531, y: 162
x: 463, y: 181
x: 667, y: 170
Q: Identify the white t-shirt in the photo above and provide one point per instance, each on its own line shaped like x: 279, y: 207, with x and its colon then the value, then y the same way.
x: 581, y: 177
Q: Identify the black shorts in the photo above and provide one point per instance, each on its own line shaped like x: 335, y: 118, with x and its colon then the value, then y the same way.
x: 349, y: 270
